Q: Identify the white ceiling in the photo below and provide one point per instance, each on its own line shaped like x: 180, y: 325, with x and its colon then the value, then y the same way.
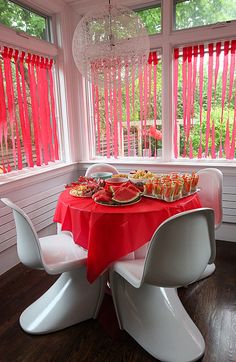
x: 82, y: 6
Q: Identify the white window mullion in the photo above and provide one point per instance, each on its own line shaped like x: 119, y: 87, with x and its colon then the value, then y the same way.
x: 167, y: 97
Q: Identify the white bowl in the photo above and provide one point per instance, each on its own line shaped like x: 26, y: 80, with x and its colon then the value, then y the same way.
x: 140, y: 181
x: 102, y: 175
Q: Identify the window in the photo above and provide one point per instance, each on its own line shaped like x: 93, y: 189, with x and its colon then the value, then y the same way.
x: 28, y: 132
x: 205, y: 100
x: 192, y: 13
x: 20, y: 18
x: 194, y: 101
x: 127, y: 119
x: 151, y: 18
x: 28, y: 91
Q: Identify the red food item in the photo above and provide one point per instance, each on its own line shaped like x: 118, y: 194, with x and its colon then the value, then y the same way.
x: 195, y: 179
x: 87, y: 181
x: 103, y: 196
x: 126, y: 186
x: 148, y: 188
x: 125, y: 195
x: 132, y: 187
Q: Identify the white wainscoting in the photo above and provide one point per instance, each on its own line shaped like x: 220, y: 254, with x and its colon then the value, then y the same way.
x: 39, y: 207
x: 227, y: 231
x: 38, y: 199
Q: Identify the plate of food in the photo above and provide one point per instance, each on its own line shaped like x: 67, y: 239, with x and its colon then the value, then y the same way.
x: 140, y: 177
x: 137, y: 176
x: 83, y: 190
x: 84, y: 187
x: 118, y: 203
x: 123, y: 195
x: 171, y: 187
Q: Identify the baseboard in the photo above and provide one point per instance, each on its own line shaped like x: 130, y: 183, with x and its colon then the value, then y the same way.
x: 227, y: 232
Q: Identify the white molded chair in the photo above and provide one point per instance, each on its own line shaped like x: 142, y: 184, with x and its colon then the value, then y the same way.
x: 144, y: 290
x: 210, y: 184
x: 71, y: 299
x: 100, y: 167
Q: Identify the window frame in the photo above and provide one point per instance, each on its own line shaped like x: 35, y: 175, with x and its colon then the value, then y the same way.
x: 167, y: 41
x: 36, y: 12
x: 22, y: 41
x: 212, y: 25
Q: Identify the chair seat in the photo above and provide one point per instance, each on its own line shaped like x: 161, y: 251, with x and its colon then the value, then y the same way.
x: 131, y: 270
x: 61, y: 254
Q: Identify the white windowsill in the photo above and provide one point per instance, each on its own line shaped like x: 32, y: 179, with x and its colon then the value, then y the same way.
x: 227, y: 167
x: 29, y: 176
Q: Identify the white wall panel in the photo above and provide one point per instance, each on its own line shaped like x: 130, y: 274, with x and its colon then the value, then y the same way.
x: 38, y: 199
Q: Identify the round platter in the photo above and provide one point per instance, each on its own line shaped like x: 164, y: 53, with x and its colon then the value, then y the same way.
x: 73, y: 193
x: 121, y: 204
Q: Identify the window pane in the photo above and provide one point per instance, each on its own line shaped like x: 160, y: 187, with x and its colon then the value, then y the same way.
x: 22, y: 19
x: 204, y: 101
x: 127, y: 119
x: 151, y: 19
x: 27, y: 111
x: 191, y: 13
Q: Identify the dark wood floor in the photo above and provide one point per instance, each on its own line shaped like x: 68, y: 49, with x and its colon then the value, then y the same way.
x: 211, y: 303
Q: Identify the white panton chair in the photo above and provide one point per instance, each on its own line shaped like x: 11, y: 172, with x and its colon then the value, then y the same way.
x: 71, y: 299
x: 145, y: 290
x: 100, y: 167
x: 210, y: 184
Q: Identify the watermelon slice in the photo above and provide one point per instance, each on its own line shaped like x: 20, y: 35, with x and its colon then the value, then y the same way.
x: 129, y: 186
x: 103, y: 196
x: 125, y: 195
x: 132, y: 187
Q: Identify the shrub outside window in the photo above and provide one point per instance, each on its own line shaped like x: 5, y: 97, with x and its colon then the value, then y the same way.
x: 192, y: 13
x: 151, y: 18
x: 20, y: 18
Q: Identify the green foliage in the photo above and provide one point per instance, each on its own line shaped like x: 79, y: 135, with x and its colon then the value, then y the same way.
x: 191, y: 13
x: 196, y: 131
x: 151, y: 19
x: 19, y: 18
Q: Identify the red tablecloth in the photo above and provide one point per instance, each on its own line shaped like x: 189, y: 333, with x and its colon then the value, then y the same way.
x: 109, y: 233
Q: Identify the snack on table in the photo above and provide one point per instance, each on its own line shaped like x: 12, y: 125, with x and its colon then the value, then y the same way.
x: 84, y: 187
x: 171, y: 187
x: 121, y: 175
x: 123, y: 194
x: 141, y: 174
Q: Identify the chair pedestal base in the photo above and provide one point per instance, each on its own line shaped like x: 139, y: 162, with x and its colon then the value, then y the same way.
x: 157, y: 320
x: 70, y: 300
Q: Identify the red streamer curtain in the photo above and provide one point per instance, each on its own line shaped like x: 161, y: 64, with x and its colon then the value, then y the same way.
x: 126, y: 114
x: 204, y: 93
x: 28, y: 129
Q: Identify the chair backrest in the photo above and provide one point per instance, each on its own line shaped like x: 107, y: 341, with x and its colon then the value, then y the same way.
x: 100, y: 167
x: 28, y: 247
x: 210, y: 184
x: 180, y: 249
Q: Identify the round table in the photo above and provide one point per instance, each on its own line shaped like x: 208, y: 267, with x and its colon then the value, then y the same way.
x: 111, y: 232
